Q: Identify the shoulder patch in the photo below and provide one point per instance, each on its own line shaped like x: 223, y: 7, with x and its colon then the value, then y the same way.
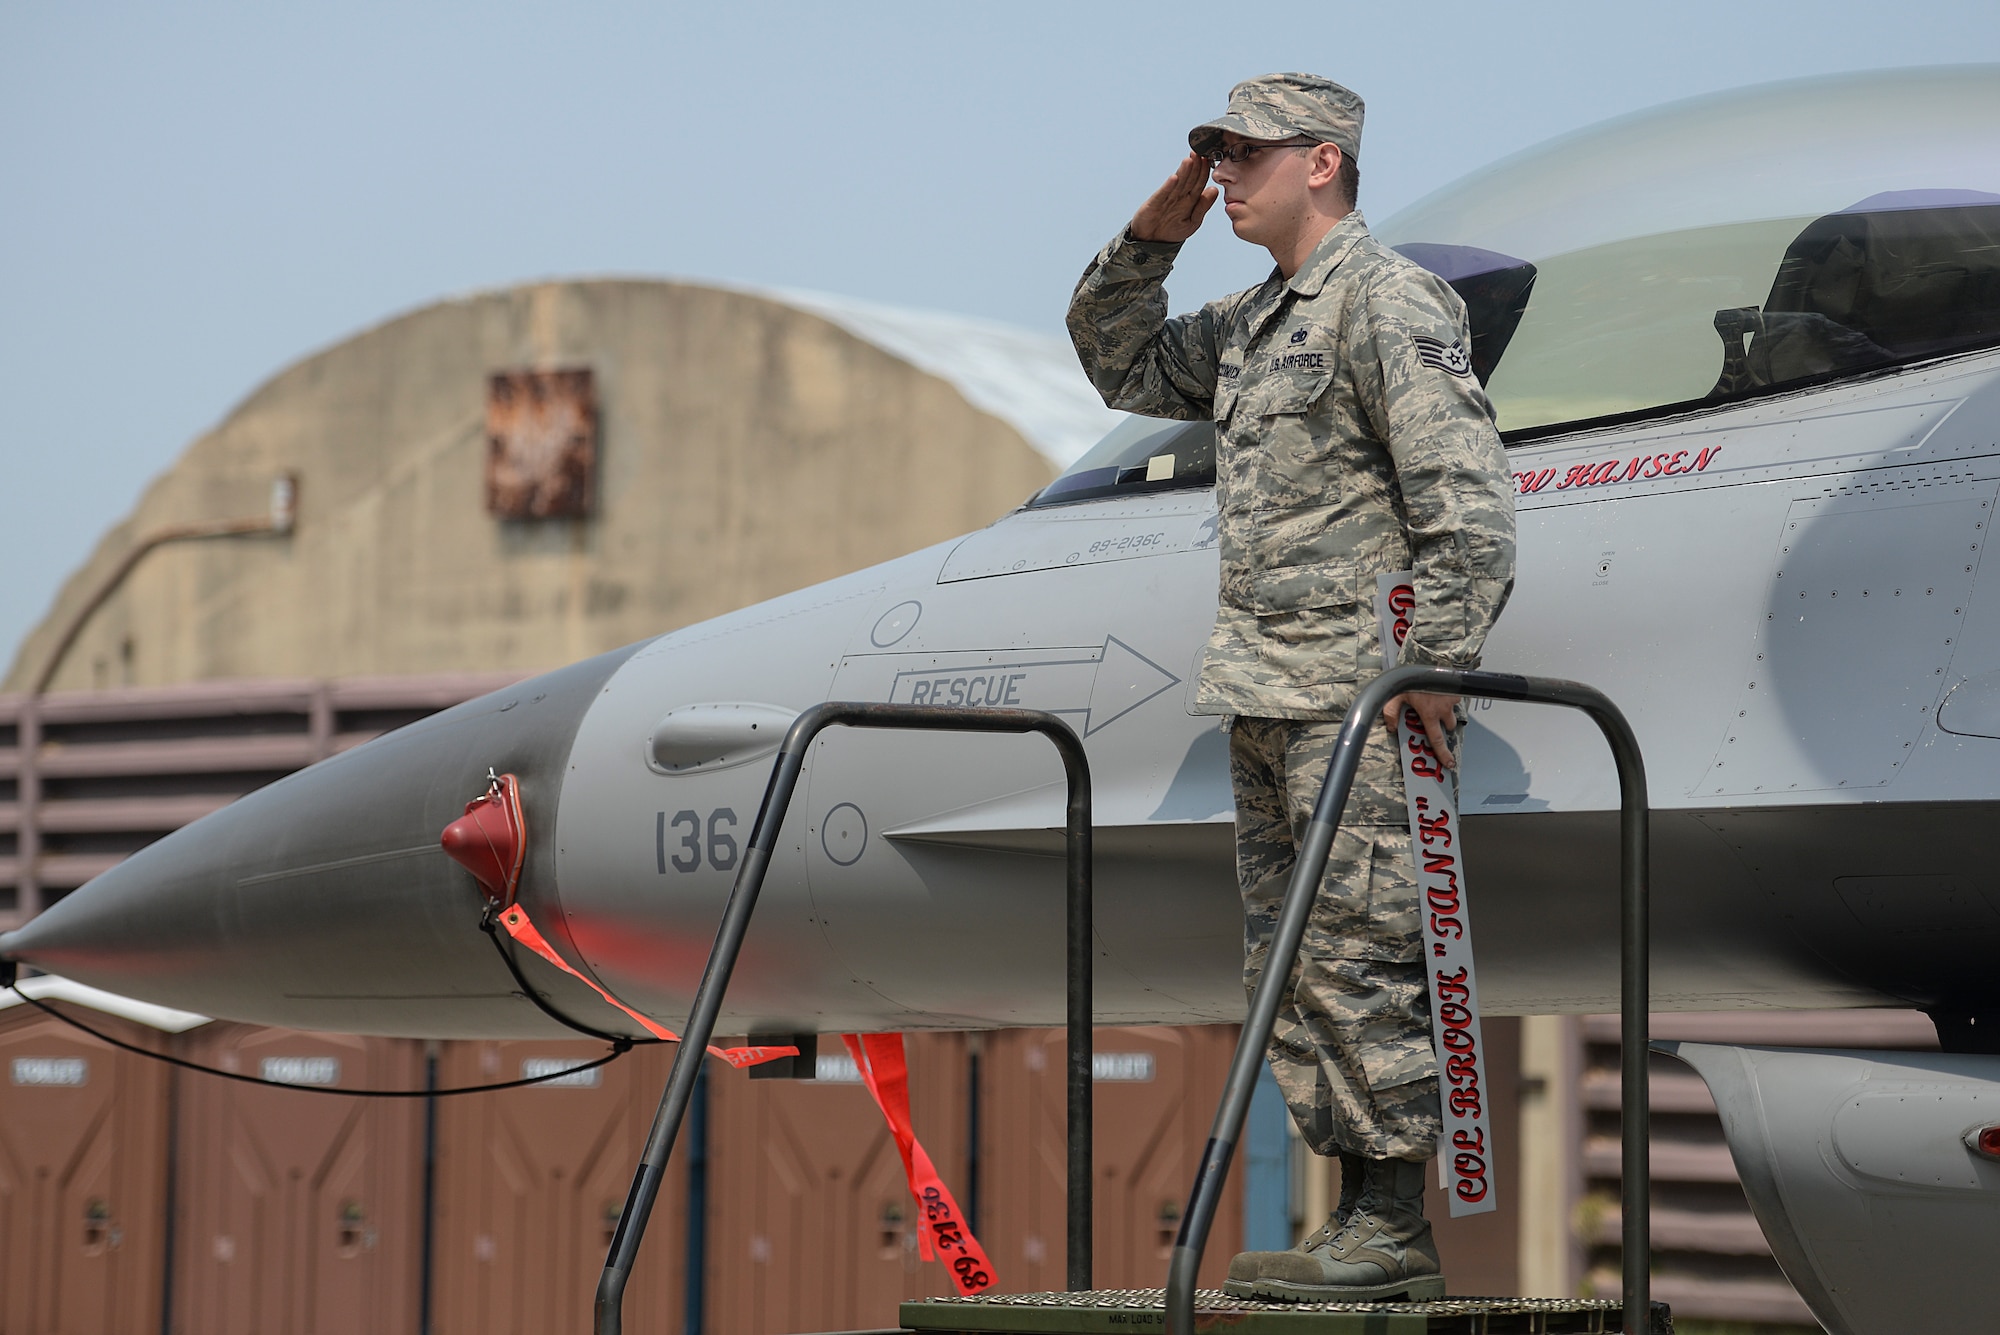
x: 1451, y: 358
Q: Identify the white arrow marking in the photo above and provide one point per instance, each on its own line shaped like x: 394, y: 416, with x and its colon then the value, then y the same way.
x: 1095, y: 687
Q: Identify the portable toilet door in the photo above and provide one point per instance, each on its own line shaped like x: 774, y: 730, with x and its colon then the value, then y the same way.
x: 83, y: 1164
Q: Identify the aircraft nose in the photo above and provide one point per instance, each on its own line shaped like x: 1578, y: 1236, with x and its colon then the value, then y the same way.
x: 324, y: 901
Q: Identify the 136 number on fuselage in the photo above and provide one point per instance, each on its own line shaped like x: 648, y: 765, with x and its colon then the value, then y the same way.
x: 698, y: 839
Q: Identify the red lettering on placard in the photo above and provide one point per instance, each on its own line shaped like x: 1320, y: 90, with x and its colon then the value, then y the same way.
x: 1604, y: 472
x: 1402, y: 602
x: 1434, y: 838
x: 1453, y: 994
x: 1423, y: 760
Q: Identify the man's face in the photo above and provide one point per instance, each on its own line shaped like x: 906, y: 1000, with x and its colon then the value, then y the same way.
x: 1265, y: 195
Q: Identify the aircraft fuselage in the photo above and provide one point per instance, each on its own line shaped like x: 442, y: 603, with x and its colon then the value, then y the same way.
x: 1782, y: 595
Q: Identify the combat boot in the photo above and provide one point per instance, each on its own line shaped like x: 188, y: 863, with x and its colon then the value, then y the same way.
x: 1246, y: 1268
x: 1383, y: 1252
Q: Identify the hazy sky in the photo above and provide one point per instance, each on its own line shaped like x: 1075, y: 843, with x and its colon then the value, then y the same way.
x: 194, y: 195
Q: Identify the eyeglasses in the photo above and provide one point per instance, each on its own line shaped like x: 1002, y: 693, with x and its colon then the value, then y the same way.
x: 1241, y: 153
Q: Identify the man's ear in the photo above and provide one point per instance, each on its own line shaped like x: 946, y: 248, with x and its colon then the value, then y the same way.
x: 1325, y: 169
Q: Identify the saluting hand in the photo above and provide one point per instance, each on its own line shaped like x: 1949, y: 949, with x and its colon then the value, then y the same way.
x: 1175, y: 211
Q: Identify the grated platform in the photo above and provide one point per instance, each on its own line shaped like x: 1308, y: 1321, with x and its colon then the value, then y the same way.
x: 1130, y: 1311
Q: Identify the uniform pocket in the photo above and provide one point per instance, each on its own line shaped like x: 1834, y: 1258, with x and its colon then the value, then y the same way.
x: 1395, y: 910
x: 1281, y: 420
x: 1283, y: 393
x: 1367, y: 907
x: 1306, y: 587
x: 1309, y: 621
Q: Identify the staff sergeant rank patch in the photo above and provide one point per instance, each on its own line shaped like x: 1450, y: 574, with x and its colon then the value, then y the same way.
x: 1451, y: 358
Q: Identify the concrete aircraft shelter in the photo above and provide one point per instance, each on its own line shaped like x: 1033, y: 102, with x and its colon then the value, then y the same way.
x: 747, y: 443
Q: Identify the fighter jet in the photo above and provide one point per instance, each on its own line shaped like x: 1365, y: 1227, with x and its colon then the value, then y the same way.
x: 1745, y: 352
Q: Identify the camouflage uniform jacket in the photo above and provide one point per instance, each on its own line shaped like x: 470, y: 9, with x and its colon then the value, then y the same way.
x: 1351, y: 440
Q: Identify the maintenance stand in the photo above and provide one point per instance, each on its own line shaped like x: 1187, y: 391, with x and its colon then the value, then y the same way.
x: 1125, y: 1312
x: 1179, y: 1308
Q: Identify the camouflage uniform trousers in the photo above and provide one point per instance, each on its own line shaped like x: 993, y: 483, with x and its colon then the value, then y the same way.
x: 1352, y: 1044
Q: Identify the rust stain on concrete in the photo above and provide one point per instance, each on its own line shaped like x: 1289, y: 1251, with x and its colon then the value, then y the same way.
x: 541, y: 443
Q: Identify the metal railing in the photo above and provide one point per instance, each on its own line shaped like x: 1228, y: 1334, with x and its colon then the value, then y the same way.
x: 742, y: 902
x: 1636, y: 1194
x: 28, y: 846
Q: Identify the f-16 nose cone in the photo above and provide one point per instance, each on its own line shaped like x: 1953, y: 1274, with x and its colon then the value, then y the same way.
x: 325, y: 901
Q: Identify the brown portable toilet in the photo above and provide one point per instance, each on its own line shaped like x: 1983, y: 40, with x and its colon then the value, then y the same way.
x: 83, y: 1163
x: 1482, y: 1252
x: 299, y: 1211
x: 811, y: 1223
x: 531, y: 1183
x: 1153, y: 1100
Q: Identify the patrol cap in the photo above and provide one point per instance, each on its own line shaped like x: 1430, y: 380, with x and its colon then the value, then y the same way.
x: 1285, y: 106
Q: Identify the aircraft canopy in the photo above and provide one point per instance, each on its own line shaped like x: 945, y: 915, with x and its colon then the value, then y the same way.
x: 1727, y: 245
